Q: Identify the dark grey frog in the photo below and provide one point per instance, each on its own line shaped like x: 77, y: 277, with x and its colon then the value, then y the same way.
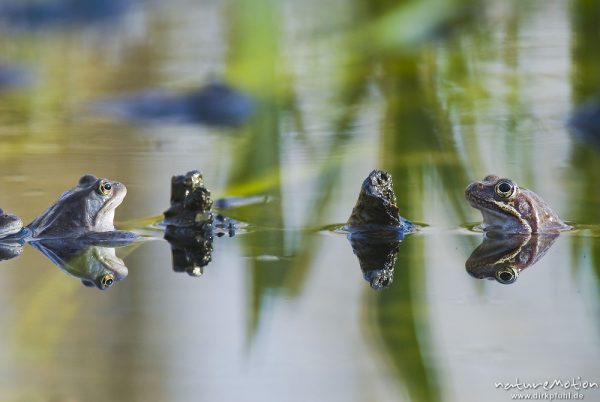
x: 88, y: 209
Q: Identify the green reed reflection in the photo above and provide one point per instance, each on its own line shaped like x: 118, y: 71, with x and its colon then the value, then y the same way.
x: 254, y: 53
x: 414, y: 123
x: 585, y: 159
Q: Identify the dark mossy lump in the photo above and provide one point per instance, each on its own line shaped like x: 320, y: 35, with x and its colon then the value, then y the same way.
x: 376, y: 207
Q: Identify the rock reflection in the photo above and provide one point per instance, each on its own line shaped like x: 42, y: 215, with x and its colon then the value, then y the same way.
x: 191, y: 248
x: 96, y: 265
x: 376, y: 253
x: 503, y: 257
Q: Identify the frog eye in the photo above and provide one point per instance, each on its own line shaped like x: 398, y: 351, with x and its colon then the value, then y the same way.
x: 107, y: 281
x: 104, y: 188
x: 505, y: 189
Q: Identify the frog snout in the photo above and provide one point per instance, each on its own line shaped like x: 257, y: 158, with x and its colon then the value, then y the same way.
x: 473, y: 187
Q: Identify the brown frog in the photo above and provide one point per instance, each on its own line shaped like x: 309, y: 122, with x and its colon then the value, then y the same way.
x: 508, y: 208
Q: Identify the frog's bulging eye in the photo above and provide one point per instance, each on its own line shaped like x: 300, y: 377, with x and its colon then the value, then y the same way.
x: 505, y: 189
x: 105, y: 188
x: 107, y: 281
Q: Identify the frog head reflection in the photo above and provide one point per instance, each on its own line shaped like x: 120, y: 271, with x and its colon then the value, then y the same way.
x: 10, y: 250
x: 502, y: 257
x: 95, y: 264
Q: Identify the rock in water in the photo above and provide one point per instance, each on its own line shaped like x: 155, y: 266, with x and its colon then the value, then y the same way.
x: 189, y: 223
x: 376, y: 207
x: 190, y: 201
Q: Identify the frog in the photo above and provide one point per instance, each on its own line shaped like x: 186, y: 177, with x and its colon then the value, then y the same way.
x: 508, y: 208
x: 10, y: 224
x: 86, y: 209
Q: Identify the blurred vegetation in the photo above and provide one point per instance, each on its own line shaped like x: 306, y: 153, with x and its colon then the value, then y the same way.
x: 585, y: 157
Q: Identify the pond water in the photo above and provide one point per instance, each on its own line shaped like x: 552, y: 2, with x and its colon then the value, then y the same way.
x: 437, y: 95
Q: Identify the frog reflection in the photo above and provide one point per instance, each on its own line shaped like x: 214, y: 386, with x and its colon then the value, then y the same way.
x: 10, y: 250
x: 502, y: 257
x: 10, y: 225
x: 96, y: 265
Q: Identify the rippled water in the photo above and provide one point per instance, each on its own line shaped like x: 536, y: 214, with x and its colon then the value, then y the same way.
x: 283, y: 312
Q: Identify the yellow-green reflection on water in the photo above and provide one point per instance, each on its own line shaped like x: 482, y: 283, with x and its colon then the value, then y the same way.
x: 282, y: 312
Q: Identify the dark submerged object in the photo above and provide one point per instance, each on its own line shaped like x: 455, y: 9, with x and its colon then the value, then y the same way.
x: 215, y: 104
x: 584, y: 123
x: 56, y: 13
x: 96, y: 264
x: 376, y: 229
x: 376, y: 209
x: 503, y: 257
x: 12, y: 77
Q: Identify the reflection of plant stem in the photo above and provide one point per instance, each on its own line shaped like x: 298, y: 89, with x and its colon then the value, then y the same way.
x: 585, y: 160
x: 407, y: 128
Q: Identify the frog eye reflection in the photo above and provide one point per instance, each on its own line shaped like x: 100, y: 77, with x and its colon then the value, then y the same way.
x: 105, y: 188
x: 507, y: 276
x: 107, y: 281
x: 505, y: 189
